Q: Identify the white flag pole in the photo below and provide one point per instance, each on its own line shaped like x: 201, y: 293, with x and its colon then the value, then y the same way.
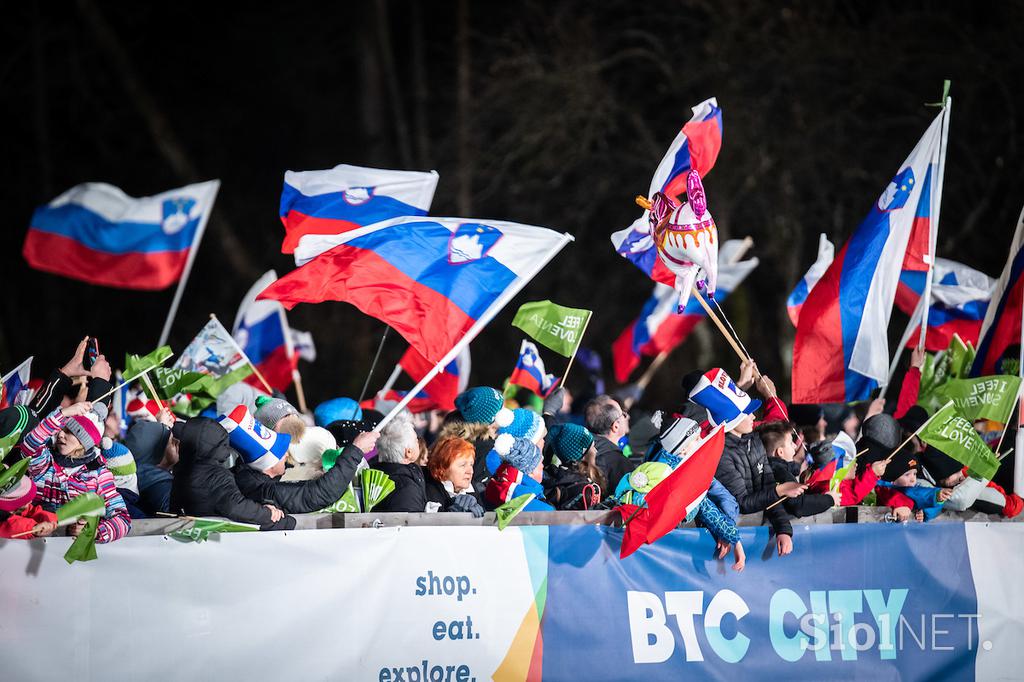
x: 189, y: 260
x: 915, y: 320
x: 933, y: 230
x: 477, y: 327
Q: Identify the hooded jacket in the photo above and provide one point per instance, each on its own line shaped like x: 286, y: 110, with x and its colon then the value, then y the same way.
x: 409, y: 494
x: 300, y: 497
x: 746, y: 473
x: 203, y: 486
x: 808, y: 504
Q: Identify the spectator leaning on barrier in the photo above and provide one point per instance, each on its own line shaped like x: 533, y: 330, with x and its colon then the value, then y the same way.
x: 779, y: 439
x: 397, y: 452
x: 449, y: 477
x: 609, y: 423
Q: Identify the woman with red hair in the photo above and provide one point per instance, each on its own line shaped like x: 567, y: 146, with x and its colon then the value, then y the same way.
x: 449, y: 477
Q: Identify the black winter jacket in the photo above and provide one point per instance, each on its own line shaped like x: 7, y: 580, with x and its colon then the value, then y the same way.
x: 807, y: 504
x: 744, y: 470
x: 203, y: 486
x: 300, y: 497
x: 612, y: 463
x: 409, y: 494
x: 436, y: 492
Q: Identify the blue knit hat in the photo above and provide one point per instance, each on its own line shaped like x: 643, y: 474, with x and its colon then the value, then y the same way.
x: 524, y: 455
x: 337, y: 409
x: 483, y: 405
x: 525, y: 424
x: 570, y: 442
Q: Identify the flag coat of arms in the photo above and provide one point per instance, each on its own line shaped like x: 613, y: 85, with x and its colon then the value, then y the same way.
x: 261, y: 330
x: 529, y: 371
x: 430, y: 279
x: 347, y: 197
x: 841, y: 350
x: 96, y: 233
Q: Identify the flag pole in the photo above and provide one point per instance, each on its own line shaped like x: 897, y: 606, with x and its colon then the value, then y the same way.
x: 477, y: 327
x: 138, y: 376
x: 256, y: 371
x: 189, y: 260
x: 577, y: 350
x: 933, y: 226
x: 915, y: 320
x: 289, y: 348
x: 373, y: 365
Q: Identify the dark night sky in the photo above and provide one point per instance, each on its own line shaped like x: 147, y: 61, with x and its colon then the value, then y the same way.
x: 570, y: 107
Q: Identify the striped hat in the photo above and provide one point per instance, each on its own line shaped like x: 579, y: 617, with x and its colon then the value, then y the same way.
x: 260, y: 447
x: 121, y: 464
x: 88, y: 427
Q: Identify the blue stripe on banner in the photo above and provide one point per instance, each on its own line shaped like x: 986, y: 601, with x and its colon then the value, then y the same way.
x: 335, y: 206
x: 92, y: 230
x: 420, y: 251
x: 263, y: 338
x: 851, y: 602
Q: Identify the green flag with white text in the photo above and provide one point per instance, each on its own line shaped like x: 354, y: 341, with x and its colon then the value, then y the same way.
x: 511, y: 509
x: 200, y: 529
x: 990, y: 397
x: 134, y: 365
x: 552, y: 325
x: 954, y: 435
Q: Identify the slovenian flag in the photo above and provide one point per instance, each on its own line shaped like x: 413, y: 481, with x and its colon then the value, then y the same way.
x: 98, y: 234
x: 826, y: 253
x: 261, y: 329
x: 440, y: 393
x: 841, y: 350
x: 960, y: 298
x: 344, y: 198
x: 696, y: 147
x: 1002, y: 326
x: 529, y: 371
x: 430, y: 279
x: 659, y: 328
x: 14, y: 383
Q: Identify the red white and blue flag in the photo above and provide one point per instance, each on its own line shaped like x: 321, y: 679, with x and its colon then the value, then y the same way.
x: 696, y: 147
x: 349, y: 197
x: 96, y: 233
x: 1002, y: 326
x: 959, y: 301
x: 261, y: 329
x: 826, y: 253
x: 431, y: 279
x: 659, y: 328
x: 529, y: 371
x: 14, y: 385
x: 841, y: 351
x: 440, y: 393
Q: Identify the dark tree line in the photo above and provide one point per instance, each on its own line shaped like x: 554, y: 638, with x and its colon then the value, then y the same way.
x: 550, y: 113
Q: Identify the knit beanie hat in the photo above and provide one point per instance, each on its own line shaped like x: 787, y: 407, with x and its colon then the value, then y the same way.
x: 523, y: 455
x: 902, y: 462
x: 913, y: 419
x: 882, y: 429
x: 269, y: 410
x: 570, y: 442
x: 525, y: 424
x: 680, y: 435
x: 121, y: 464
x: 88, y: 427
x: 14, y: 421
x: 337, y: 409
x: 483, y: 405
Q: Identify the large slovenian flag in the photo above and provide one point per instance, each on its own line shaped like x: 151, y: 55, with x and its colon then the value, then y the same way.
x: 1002, y: 326
x: 795, y: 302
x: 659, y: 328
x: 261, y: 329
x: 14, y: 383
x: 960, y: 298
x: 431, y: 279
x: 696, y: 147
x: 348, y: 197
x: 529, y: 371
x: 96, y: 233
x: 841, y: 351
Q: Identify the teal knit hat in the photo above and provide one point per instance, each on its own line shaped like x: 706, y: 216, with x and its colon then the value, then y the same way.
x: 483, y: 405
x: 570, y: 442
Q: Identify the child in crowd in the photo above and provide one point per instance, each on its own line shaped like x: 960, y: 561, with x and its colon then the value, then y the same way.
x: 574, y: 482
x: 899, y: 489
x: 780, y: 442
x: 520, y: 473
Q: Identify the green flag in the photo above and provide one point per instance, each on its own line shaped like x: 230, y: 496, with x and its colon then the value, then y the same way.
x: 961, y: 357
x: 202, y: 389
x: 11, y: 476
x: 376, y: 486
x: 346, y: 504
x: 555, y: 326
x: 511, y: 509
x: 990, y: 397
x: 134, y: 365
x: 840, y: 475
x: 86, y: 504
x: 950, y: 433
x: 84, y: 546
x: 201, y: 529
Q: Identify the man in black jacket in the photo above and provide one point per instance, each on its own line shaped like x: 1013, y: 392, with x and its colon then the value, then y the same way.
x: 301, y: 497
x: 609, y: 423
x: 204, y: 486
x: 779, y: 439
x: 397, y: 454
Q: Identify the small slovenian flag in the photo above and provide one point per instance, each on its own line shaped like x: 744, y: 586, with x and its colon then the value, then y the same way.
x: 14, y: 383
x: 529, y: 372
x: 344, y: 198
x: 960, y: 298
x: 826, y: 254
x: 98, y: 234
x: 260, y: 447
